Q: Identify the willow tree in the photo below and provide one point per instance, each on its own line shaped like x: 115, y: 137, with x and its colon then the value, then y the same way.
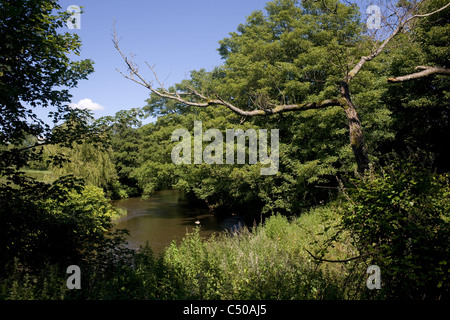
x: 296, y: 57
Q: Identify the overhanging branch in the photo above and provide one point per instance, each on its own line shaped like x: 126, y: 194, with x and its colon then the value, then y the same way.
x: 204, y: 101
x: 426, y: 71
x: 380, y: 49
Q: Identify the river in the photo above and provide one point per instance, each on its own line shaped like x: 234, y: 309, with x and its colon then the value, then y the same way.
x: 166, y: 216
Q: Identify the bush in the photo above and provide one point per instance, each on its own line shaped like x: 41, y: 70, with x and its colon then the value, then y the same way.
x: 268, y: 262
x: 398, y: 216
x: 20, y: 284
x: 63, y: 223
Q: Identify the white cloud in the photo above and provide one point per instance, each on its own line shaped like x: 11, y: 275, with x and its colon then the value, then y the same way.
x: 86, y: 104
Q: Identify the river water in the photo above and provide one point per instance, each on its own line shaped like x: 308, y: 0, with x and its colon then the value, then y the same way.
x: 166, y: 216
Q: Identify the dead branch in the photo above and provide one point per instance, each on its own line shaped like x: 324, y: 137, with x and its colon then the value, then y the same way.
x: 401, y: 24
x: 426, y: 71
x: 267, y: 108
x: 204, y: 101
x: 335, y: 261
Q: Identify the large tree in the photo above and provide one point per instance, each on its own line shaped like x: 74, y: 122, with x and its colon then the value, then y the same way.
x: 41, y: 222
x: 296, y: 57
x: 36, y: 72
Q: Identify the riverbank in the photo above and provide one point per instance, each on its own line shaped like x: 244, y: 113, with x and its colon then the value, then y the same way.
x: 167, y: 216
x: 267, y: 262
x: 270, y: 261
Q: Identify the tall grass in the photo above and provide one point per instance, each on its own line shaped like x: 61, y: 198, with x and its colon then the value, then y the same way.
x: 269, y: 261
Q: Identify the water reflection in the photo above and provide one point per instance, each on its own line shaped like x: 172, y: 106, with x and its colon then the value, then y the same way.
x: 166, y: 216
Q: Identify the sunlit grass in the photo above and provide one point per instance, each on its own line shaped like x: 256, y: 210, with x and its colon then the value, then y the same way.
x: 270, y: 261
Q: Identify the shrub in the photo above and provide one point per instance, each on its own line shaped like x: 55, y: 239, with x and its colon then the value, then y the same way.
x: 267, y: 262
x: 62, y: 223
x: 398, y: 216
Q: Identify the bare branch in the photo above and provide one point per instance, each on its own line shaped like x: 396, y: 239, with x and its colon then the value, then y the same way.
x: 403, y: 22
x: 268, y: 108
x: 36, y: 145
x: 431, y: 13
x: 335, y: 261
x: 426, y: 71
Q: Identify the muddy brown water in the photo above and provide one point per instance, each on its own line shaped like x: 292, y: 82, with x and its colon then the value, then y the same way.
x: 167, y: 216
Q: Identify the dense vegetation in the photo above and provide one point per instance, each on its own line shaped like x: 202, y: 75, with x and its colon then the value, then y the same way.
x: 323, y: 220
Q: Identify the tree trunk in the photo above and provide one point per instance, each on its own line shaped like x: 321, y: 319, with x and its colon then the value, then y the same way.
x: 355, y: 130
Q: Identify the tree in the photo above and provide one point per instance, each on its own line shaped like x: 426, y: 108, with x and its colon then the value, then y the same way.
x: 64, y: 223
x: 431, y: 33
x: 36, y: 71
x: 264, y: 76
x: 61, y: 222
x: 88, y: 162
x: 123, y: 138
x: 419, y: 100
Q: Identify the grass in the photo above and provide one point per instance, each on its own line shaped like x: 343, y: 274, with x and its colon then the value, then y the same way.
x: 46, y: 176
x: 269, y: 261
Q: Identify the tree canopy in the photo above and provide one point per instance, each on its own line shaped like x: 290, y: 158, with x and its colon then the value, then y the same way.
x: 44, y: 221
x: 363, y: 122
x: 299, y: 57
x: 294, y: 58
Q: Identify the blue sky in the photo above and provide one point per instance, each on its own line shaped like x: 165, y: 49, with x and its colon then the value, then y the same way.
x: 176, y: 36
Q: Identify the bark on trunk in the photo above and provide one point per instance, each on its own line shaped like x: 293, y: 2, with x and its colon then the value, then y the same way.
x: 355, y: 131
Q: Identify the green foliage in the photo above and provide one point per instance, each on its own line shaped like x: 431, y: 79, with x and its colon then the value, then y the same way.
x: 45, y: 225
x: 124, y: 142
x: 269, y: 262
x: 62, y: 223
x: 420, y: 108
x: 86, y: 161
x: 284, y: 56
x: 399, y: 217
x: 35, y: 71
x: 34, y: 60
x: 23, y: 285
x: 313, y: 149
x: 290, y: 53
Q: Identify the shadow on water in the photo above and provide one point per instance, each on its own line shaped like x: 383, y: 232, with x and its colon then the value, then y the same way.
x: 167, y: 216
